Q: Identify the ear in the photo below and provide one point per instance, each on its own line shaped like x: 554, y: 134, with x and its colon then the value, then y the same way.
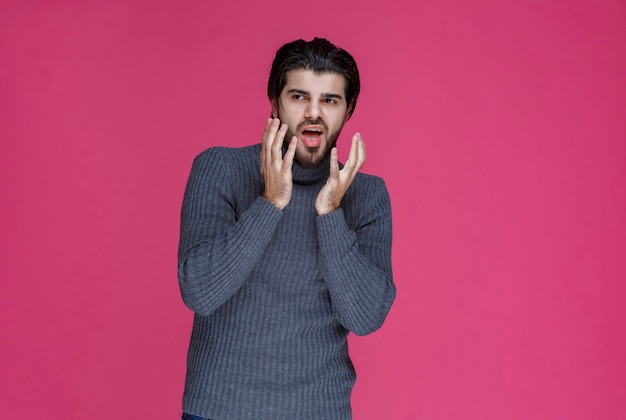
x: 274, y: 108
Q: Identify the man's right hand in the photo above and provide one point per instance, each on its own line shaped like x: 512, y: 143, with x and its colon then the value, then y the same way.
x: 276, y: 171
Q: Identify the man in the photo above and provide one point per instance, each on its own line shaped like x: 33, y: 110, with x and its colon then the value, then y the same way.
x: 283, y: 252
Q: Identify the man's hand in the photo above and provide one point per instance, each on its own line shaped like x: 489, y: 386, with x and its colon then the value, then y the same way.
x: 276, y: 171
x: 329, y: 197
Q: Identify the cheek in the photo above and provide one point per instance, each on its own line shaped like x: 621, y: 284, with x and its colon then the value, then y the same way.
x: 337, y: 122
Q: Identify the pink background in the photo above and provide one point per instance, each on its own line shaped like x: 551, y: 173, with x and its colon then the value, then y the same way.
x: 499, y: 127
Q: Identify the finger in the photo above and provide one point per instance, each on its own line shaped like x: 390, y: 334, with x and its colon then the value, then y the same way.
x: 268, y: 122
x: 334, y: 163
x: 361, y: 155
x: 277, y: 146
x: 267, y: 129
x: 291, y: 153
x: 268, y: 138
x: 352, y: 156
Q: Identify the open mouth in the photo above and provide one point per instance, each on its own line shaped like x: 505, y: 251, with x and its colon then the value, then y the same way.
x: 312, y: 136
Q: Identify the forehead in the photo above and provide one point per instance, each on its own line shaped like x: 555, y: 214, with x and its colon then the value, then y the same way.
x: 315, y: 83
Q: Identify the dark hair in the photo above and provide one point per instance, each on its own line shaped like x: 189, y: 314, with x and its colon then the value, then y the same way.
x: 318, y: 55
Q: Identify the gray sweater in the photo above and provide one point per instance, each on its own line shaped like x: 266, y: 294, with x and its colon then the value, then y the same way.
x: 275, y: 293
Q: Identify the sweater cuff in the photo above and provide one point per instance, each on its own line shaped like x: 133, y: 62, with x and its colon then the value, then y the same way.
x: 334, y: 235
x: 261, y: 207
x: 262, y: 218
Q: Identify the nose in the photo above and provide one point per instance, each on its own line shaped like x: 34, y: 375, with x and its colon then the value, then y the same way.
x: 312, y: 110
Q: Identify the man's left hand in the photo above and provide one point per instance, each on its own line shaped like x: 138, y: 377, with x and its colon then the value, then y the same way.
x: 331, y: 194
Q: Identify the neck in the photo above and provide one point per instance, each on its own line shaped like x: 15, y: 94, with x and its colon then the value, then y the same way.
x: 311, y: 175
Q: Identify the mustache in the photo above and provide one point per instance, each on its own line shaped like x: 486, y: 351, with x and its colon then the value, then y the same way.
x: 312, y: 122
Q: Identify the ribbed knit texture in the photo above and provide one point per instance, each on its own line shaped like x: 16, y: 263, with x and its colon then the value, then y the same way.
x: 275, y: 293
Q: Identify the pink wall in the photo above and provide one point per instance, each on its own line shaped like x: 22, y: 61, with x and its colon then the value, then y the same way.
x: 498, y: 125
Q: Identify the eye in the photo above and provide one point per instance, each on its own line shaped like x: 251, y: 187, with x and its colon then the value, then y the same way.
x: 298, y: 97
x: 330, y: 101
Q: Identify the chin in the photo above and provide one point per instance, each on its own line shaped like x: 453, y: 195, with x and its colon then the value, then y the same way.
x: 310, y: 159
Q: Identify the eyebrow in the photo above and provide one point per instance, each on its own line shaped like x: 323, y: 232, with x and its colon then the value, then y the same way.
x: 307, y: 93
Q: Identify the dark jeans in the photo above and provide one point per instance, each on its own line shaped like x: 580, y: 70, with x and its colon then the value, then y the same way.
x: 192, y: 417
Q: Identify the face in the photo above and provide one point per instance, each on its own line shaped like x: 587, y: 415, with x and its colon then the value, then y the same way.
x: 314, y: 108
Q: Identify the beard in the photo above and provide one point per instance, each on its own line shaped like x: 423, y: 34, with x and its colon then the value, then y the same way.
x: 313, y: 156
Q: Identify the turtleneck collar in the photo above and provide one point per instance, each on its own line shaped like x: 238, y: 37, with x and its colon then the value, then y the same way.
x: 312, y: 175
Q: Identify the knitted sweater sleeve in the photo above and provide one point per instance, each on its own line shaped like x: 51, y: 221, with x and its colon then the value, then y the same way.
x: 356, y: 260
x: 219, y: 249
